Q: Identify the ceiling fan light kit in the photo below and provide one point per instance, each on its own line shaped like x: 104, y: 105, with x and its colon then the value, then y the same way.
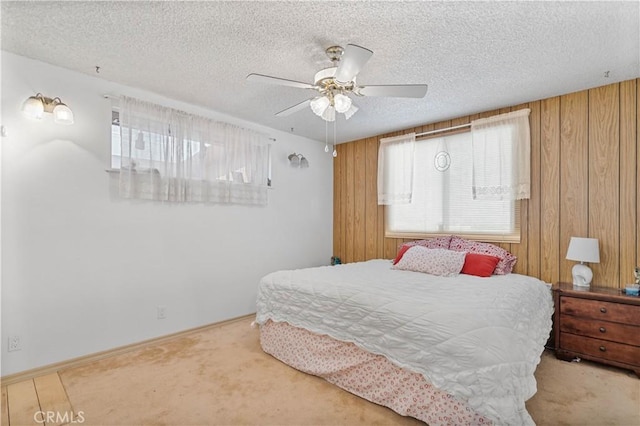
x: 336, y: 83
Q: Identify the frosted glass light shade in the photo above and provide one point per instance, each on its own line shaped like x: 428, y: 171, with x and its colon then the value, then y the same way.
x: 319, y: 105
x: 329, y: 114
x: 62, y: 114
x: 33, y: 107
x: 341, y: 103
x: 294, y: 160
x: 352, y: 110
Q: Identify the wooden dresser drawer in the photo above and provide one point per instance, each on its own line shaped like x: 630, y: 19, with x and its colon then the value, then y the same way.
x: 595, y: 309
x: 615, y: 332
x: 603, y: 349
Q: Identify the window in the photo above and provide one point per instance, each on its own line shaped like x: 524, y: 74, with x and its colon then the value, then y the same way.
x: 165, y: 154
x: 442, y: 201
x: 153, y: 151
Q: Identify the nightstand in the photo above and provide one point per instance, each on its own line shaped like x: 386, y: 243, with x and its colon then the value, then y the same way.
x: 598, y: 324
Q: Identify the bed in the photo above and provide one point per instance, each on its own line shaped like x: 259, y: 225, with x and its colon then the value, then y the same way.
x: 458, y: 349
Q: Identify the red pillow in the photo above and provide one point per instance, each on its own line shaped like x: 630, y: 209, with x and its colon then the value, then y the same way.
x: 507, y: 260
x: 481, y: 265
x: 401, y: 253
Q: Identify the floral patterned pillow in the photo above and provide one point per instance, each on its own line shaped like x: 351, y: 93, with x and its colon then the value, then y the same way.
x: 436, y: 242
x: 438, y: 261
x: 507, y: 260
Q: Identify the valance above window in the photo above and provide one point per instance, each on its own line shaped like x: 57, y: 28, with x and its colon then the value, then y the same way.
x: 502, y: 156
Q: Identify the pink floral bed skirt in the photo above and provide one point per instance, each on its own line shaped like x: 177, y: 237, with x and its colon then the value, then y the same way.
x: 369, y: 376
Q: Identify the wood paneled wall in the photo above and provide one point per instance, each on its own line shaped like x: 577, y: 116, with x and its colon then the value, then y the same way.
x: 585, y: 162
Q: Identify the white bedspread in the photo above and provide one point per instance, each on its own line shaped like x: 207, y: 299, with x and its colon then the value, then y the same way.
x: 477, y: 338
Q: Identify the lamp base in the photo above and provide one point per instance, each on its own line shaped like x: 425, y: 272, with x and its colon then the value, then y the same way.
x: 582, y: 275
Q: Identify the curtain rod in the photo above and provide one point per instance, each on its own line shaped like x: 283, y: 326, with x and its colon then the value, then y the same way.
x: 443, y: 130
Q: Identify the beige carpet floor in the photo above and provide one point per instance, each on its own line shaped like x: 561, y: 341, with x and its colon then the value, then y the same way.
x: 220, y: 376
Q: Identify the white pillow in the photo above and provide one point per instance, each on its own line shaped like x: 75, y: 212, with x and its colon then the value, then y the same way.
x: 441, y: 262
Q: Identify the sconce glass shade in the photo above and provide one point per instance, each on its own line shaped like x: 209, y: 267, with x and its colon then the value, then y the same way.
x: 294, y: 160
x: 304, y: 162
x: 319, y: 105
x: 341, y: 103
x: 62, y: 114
x: 33, y: 107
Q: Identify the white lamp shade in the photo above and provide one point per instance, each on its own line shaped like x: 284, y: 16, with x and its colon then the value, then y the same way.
x: 583, y: 250
x: 33, y: 108
x: 62, y: 114
x: 341, y: 103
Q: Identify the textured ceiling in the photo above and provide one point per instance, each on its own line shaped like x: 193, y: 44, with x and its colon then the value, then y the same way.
x: 474, y: 56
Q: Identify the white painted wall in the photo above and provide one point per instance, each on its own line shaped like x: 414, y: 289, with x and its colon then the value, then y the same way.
x: 83, y: 271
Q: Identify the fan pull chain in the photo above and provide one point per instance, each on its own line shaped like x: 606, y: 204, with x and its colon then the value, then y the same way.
x: 326, y: 136
x: 335, y: 153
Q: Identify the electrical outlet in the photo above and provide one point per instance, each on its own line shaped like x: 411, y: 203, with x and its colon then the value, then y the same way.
x: 162, y: 312
x: 14, y: 343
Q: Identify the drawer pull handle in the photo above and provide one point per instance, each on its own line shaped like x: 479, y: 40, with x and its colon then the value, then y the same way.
x: 603, y: 330
x: 603, y: 349
x: 603, y: 310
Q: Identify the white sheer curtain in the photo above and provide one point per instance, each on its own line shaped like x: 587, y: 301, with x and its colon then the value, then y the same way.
x: 501, y: 147
x: 395, y: 169
x: 170, y: 155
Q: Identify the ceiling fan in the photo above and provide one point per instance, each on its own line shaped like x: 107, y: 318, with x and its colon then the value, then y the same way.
x: 336, y: 83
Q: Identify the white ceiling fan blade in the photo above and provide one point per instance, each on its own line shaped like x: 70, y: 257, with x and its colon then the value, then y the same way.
x: 280, y: 81
x: 352, y: 61
x: 297, y: 107
x: 395, y: 90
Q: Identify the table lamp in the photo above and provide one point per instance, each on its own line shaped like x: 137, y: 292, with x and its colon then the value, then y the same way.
x: 583, y: 250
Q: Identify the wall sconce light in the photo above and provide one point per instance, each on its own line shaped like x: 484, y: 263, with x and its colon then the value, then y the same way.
x: 583, y: 250
x: 298, y: 160
x: 36, y: 106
